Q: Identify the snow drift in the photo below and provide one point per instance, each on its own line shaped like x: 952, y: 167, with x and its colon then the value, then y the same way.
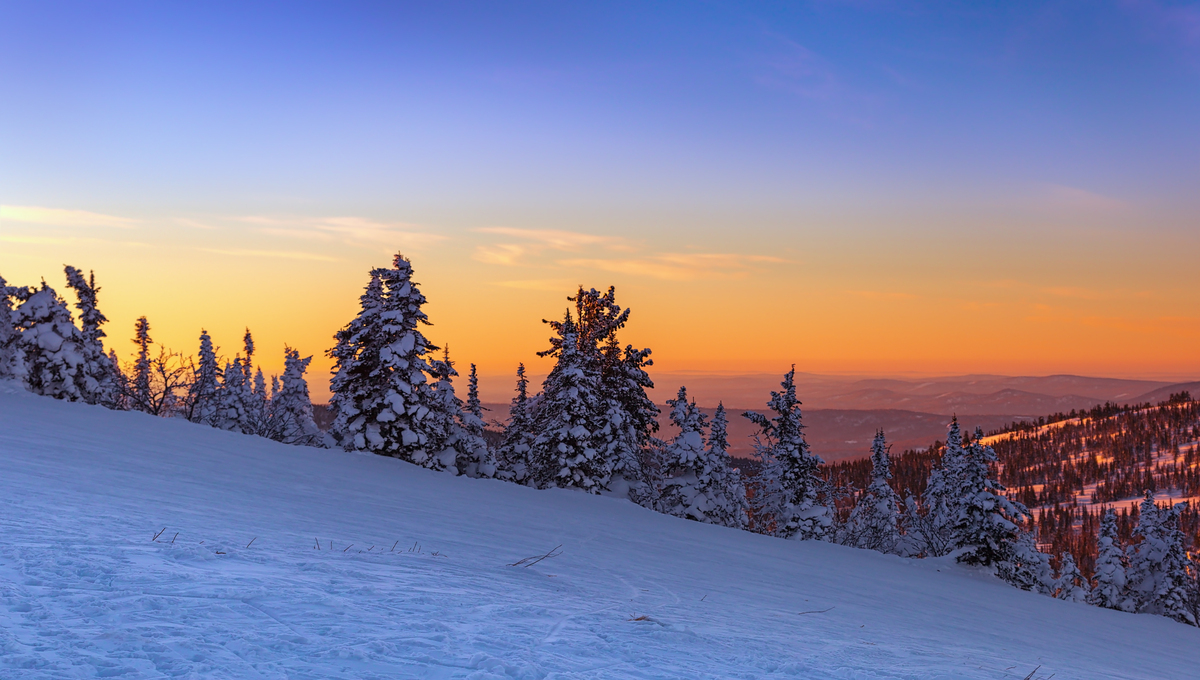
x: 411, y: 578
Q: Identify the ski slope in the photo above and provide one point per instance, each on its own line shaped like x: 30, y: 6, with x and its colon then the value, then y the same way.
x: 85, y: 592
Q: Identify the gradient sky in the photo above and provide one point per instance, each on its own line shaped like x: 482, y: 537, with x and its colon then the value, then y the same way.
x: 857, y: 187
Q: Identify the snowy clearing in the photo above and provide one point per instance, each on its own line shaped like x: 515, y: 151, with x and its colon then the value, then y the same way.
x: 85, y: 591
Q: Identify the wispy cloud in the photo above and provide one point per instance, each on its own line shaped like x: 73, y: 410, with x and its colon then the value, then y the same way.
x: 281, y: 254
x: 882, y: 295
x: 537, y: 284
x: 32, y: 214
x: 532, y: 242
x: 1081, y: 199
x: 680, y: 266
x: 354, y: 230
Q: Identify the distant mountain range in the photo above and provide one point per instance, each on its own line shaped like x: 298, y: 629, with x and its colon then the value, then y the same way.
x: 843, y: 412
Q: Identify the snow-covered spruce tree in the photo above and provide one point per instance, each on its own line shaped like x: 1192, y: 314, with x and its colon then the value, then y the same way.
x: 1146, y: 555
x: 787, y: 501
x: 90, y: 320
x: 381, y: 395
x: 10, y: 364
x: 1071, y: 585
x: 985, y: 528
x: 564, y: 453
x: 1158, y: 575
x: 234, y: 399
x: 291, y: 407
x: 1110, y: 590
x: 725, y: 490
x: 930, y: 530
x: 623, y: 417
x: 53, y: 351
x: 471, y: 454
x: 684, y: 461
x: 874, y: 523
x: 139, y: 382
x: 206, y: 382
x: 698, y: 483
x: 517, y: 443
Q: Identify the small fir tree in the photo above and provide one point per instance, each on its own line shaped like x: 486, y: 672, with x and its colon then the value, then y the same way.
x: 698, y: 483
x: 11, y: 365
x: 1110, y: 590
x: 1071, y: 585
x: 291, y: 407
x: 90, y: 321
x: 206, y: 382
x: 564, y: 452
x: 788, y: 496
x: 139, y: 383
x: 517, y: 442
x: 874, y: 522
x: 985, y: 529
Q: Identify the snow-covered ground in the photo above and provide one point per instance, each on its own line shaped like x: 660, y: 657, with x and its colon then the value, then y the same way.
x: 85, y: 591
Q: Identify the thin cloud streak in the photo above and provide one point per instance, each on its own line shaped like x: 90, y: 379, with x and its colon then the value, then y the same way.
x: 680, y: 266
x: 287, y: 255
x: 33, y: 214
x: 347, y: 229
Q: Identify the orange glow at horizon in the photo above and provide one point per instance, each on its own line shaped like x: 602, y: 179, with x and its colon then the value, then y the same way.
x: 853, y: 301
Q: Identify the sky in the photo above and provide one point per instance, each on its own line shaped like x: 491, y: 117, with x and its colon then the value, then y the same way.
x: 867, y: 188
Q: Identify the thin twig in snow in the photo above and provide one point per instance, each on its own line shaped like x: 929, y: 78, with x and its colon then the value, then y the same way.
x: 530, y: 561
x: 158, y: 534
x: 251, y: 541
x: 817, y: 611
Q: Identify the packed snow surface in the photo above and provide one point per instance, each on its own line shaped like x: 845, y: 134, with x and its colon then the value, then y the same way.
x: 86, y: 592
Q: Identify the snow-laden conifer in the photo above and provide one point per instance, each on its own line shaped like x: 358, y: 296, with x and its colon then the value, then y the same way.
x: 931, y: 528
x: 564, y: 452
x: 984, y: 529
x: 698, y: 483
x: 1110, y: 590
x: 787, y: 499
x: 235, y: 399
x: 1158, y: 577
x: 139, y: 381
x: 90, y: 320
x: 206, y: 382
x: 1071, y: 585
x: 1146, y: 555
x: 454, y: 426
x: 726, y: 492
x: 53, y: 351
x: 381, y: 392
x: 874, y: 522
x: 291, y: 407
x: 517, y: 442
x: 623, y: 418
x: 10, y: 364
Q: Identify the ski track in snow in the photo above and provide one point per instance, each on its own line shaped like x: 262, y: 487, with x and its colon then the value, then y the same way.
x: 85, y: 592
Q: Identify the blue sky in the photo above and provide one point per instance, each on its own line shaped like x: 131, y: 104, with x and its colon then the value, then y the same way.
x: 976, y: 159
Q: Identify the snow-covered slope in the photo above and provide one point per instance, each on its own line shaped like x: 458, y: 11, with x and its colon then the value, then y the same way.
x: 86, y: 592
